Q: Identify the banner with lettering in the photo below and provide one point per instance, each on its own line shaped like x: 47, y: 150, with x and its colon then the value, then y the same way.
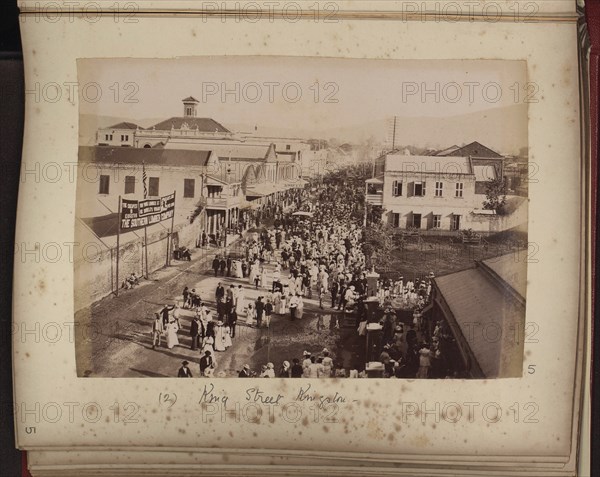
x: 140, y: 213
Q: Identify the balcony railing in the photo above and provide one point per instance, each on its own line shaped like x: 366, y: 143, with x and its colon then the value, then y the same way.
x: 223, y: 202
x: 374, y: 199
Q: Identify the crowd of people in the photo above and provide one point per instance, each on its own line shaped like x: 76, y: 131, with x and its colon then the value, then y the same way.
x: 320, y: 365
x: 315, y: 255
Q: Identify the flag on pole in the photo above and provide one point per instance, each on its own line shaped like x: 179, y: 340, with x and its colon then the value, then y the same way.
x: 144, y: 177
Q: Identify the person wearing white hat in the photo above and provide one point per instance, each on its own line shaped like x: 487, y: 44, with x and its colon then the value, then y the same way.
x: 269, y: 372
x: 245, y: 372
x: 327, y: 364
x: 306, y: 362
x: 285, y: 371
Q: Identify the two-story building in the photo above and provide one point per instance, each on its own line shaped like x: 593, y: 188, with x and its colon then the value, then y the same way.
x: 118, y: 135
x: 276, y: 163
x: 434, y: 192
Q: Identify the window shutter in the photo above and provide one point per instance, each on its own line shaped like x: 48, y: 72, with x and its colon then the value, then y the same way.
x: 423, y: 189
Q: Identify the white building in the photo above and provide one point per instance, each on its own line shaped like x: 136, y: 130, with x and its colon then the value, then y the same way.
x: 442, y: 192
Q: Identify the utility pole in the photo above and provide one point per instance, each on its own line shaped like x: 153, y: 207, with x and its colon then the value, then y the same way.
x: 118, y: 244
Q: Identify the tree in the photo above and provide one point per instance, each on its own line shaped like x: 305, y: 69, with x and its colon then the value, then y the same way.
x: 378, y: 245
x: 495, y: 195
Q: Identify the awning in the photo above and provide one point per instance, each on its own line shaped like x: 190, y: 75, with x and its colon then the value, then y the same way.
x: 299, y: 184
x: 483, y: 212
x: 261, y: 190
x: 484, y: 173
x: 487, y: 318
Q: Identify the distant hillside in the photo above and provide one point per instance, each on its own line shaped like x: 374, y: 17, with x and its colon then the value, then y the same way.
x: 502, y: 129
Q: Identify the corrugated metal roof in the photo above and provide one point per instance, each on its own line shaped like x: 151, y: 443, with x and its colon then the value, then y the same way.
x: 512, y: 268
x: 490, y: 319
x: 224, y: 150
x: 150, y: 156
x: 427, y: 164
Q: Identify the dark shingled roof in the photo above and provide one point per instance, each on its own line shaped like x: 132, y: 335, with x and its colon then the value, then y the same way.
x: 189, y: 99
x: 124, y: 125
x: 132, y: 155
x: 202, y: 124
x: 474, y: 149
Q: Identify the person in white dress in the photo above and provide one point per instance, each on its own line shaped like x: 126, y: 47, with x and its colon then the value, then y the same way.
x: 300, y: 308
x: 219, y: 337
x: 250, y: 314
x: 282, y: 309
x: 264, y: 279
x: 240, y: 305
x: 235, y: 291
x: 252, y: 274
x: 208, y: 345
x: 172, y: 329
x: 237, y: 264
x: 276, y: 302
x: 228, y: 343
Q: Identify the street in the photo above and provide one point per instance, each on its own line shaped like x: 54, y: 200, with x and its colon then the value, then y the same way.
x: 119, y: 343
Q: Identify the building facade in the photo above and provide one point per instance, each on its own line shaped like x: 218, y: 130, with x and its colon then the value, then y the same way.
x: 435, y: 193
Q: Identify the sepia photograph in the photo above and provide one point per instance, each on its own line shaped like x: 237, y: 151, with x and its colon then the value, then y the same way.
x: 302, y: 217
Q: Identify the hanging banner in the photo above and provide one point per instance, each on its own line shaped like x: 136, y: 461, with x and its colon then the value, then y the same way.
x: 140, y: 213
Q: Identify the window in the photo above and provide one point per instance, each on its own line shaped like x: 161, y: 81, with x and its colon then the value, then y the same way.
x: 188, y: 187
x: 437, y: 221
x: 397, y: 188
x: 416, y: 221
x: 153, y: 186
x: 419, y: 189
x: 104, y: 181
x: 188, y: 111
x: 459, y: 189
x: 288, y: 147
x: 124, y: 137
x: 129, y: 184
x: 455, y: 222
x: 395, y: 220
x: 108, y: 137
x: 439, y: 187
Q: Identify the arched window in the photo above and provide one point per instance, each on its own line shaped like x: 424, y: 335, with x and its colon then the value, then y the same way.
x: 147, y: 146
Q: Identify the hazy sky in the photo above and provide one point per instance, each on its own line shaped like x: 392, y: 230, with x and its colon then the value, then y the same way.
x: 299, y: 90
